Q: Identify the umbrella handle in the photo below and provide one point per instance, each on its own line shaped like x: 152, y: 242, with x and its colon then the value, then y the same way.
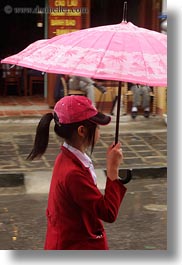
x: 127, y: 177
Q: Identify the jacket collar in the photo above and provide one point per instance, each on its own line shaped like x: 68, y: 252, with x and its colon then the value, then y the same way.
x: 69, y: 154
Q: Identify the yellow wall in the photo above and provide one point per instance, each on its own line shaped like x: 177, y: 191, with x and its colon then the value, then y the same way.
x: 109, y: 96
x: 162, y: 99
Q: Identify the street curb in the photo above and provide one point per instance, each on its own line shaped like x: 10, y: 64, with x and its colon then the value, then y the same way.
x: 11, y: 179
x: 153, y: 172
x: 38, y: 181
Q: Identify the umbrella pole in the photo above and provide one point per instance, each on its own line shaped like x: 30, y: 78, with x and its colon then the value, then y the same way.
x: 128, y: 174
x: 118, y: 113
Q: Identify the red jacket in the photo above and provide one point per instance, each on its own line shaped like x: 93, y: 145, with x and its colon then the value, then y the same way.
x: 76, y: 206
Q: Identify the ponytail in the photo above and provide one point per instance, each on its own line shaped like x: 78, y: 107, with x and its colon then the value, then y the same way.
x: 41, y: 137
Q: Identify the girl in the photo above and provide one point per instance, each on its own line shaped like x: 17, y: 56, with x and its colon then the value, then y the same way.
x: 75, y: 204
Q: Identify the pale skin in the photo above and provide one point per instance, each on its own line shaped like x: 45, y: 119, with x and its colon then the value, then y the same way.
x: 114, y: 155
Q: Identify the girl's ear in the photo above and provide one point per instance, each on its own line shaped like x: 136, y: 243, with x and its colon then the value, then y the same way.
x: 82, y: 131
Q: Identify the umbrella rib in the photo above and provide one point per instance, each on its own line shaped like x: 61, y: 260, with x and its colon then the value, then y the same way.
x: 83, y: 58
x: 110, y: 40
x: 142, y: 54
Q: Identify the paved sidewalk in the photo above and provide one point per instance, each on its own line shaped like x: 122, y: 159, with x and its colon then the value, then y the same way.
x: 140, y: 225
x: 144, y: 146
x: 143, y: 140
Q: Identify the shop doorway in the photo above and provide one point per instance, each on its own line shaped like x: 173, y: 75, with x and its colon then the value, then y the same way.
x: 21, y: 25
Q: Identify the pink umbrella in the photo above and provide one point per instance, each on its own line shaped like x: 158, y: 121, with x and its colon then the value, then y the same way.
x: 122, y: 52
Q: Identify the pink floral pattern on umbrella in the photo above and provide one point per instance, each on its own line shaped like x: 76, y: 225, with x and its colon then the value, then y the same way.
x: 122, y: 52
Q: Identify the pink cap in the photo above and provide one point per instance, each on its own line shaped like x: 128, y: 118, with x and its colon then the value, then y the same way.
x: 71, y: 109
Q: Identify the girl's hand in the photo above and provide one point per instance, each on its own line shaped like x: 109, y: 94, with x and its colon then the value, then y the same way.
x: 114, y: 159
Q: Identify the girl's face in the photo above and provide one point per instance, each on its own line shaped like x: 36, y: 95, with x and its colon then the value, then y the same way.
x: 84, y: 141
x: 97, y: 134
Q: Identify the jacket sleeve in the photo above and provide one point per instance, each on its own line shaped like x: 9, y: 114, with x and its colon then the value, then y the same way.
x: 86, y: 194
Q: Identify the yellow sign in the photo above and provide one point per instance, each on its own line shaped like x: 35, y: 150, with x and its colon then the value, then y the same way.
x: 63, y: 22
x: 66, y: 2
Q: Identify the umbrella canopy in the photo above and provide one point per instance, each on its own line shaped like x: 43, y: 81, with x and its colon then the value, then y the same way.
x: 122, y: 52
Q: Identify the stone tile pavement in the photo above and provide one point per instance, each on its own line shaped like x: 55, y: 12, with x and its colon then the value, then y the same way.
x: 144, y: 144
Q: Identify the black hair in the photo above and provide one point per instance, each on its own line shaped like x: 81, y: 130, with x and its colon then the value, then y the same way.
x: 65, y: 131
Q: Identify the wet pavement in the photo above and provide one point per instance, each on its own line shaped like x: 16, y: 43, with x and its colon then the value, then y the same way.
x: 141, y: 223
x: 142, y: 220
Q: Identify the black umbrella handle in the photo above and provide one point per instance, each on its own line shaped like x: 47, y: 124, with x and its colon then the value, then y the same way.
x: 128, y: 176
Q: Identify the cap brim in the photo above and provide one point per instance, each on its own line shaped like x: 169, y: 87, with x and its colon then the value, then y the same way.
x: 100, y: 119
